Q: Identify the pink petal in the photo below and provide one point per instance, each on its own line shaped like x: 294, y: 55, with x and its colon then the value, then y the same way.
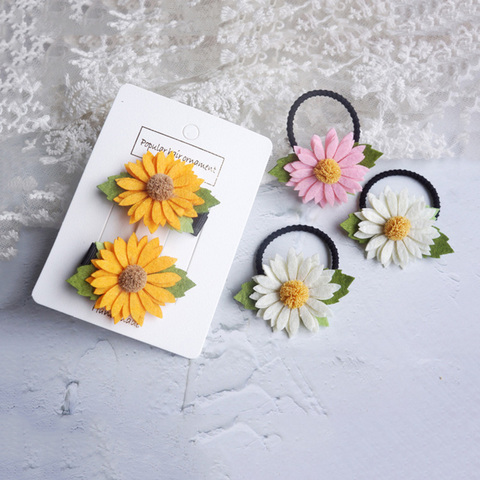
x: 312, y: 192
x: 320, y: 196
x: 350, y: 185
x: 345, y: 147
x: 331, y: 143
x: 351, y: 159
x: 303, y: 185
x: 340, y: 193
x: 299, y: 165
x: 305, y: 156
x: 317, y: 147
x: 356, y: 172
x: 304, y: 172
x: 329, y: 194
x: 359, y: 148
x: 289, y: 167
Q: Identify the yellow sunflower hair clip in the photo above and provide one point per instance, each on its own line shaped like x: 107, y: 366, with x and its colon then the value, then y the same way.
x: 128, y: 279
x: 161, y: 190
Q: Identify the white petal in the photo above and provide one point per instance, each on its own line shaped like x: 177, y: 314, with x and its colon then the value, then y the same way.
x: 412, y: 247
x: 283, y: 318
x: 271, y: 283
x: 293, y: 323
x: 362, y: 235
x: 292, y: 264
x: 256, y: 296
x: 314, y: 276
x: 267, y: 300
x: 272, y: 312
x: 263, y: 290
x: 373, y: 216
x: 369, y: 227
x: 402, y: 253
x: 318, y: 308
x: 279, y: 268
x: 360, y: 215
x: 386, y: 253
x: 269, y: 273
x: 403, y: 202
x: 260, y: 312
x: 376, y: 242
x: 324, y: 292
x: 308, y: 319
x: 392, y: 203
x: 304, y: 269
x: 379, y: 206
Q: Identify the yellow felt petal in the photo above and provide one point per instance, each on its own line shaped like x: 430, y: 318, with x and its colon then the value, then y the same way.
x: 166, y: 279
x: 117, y: 306
x: 108, y: 246
x: 135, y: 197
x: 97, y: 303
x: 120, y: 250
x: 149, y: 304
x: 132, y: 249
x: 159, y: 294
x: 159, y: 264
x: 148, y: 221
x: 149, y: 253
x: 188, y: 195
x: 128, y: 183
x: 172, y: 219
x: 137, y: 171
x: 109, y: 297
x: 101, y: 291
x: 109, y: 256
x: 126, y: 308
x: 99, y: 273
x: 177, y: 169
x: 103, y: 282
x: 182, y: 202
x: 148, y: 164
x: 112, y: 267
x: 160, y: 162
x: 137, y: 311
x: 141, y: 245
x: 157, y: 213
x: 142, y: 209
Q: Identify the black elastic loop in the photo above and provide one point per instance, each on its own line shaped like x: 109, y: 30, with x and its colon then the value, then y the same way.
x: 362, y: 202
x: 90, y: 255
x: 322, y: 93
x: 295, y: 228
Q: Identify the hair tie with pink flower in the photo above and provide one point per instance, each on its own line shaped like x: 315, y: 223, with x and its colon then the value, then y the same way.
x: 329, y: 170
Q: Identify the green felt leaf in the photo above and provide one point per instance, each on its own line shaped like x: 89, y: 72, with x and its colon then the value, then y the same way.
x: 178, y: 290
x: 371, y: 156
x: 78, y: 281
x: 186, y: 224
x: 110, y: 187
x: 278, y: 171
x: 210, y: 200
x: 351, y: 226
x: 344, y: 281
x: 323, y: 321
x: 243, y: 296
x: 100, y: 246
x: 440, y: 246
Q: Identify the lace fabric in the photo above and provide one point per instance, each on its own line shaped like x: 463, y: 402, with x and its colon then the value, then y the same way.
x: 403, y: 65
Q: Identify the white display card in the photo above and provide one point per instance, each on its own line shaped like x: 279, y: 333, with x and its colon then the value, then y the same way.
x: 229, y: 158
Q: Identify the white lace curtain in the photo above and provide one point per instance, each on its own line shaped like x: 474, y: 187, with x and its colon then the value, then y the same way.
x: 402, y: 64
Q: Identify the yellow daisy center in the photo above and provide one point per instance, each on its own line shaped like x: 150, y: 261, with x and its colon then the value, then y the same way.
x: 294, y: 294
x: 133, y: 278
x: 397, y: 228
x: 160, y: 187
x: 328, y: 171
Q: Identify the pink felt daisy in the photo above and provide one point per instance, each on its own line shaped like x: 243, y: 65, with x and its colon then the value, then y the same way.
x: 327, y: 175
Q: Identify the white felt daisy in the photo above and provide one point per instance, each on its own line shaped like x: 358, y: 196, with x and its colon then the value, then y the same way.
x: 293, y: 290
x: 399, y: 228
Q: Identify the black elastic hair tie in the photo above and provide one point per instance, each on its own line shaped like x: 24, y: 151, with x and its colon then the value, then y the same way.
x: 362, y: 202
x: 322, y: 93
x: 90, y: 255
x: 295, y: 228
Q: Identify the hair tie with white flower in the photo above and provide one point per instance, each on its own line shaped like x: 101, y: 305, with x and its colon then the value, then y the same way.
x: 326, y: 174
x: 398, y: 227
x: 161, y: 190
x: 296, y: 289
x: 129, y: 279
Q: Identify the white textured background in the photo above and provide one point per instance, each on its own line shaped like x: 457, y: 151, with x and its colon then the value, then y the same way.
x: 390, y: 390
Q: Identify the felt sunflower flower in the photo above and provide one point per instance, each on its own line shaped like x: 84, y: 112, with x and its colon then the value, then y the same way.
x: 398, y: 228
x: 326, y: 175
x: 292, y: 291
x: 159, y: 189
x: 131, y: 280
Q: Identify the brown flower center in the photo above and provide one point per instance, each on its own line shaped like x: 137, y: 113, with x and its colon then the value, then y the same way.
x: 160, y: 187
x: 397, y: 228
x: 293, y: 293
x: 328, y: 171
x: 133, y: 278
